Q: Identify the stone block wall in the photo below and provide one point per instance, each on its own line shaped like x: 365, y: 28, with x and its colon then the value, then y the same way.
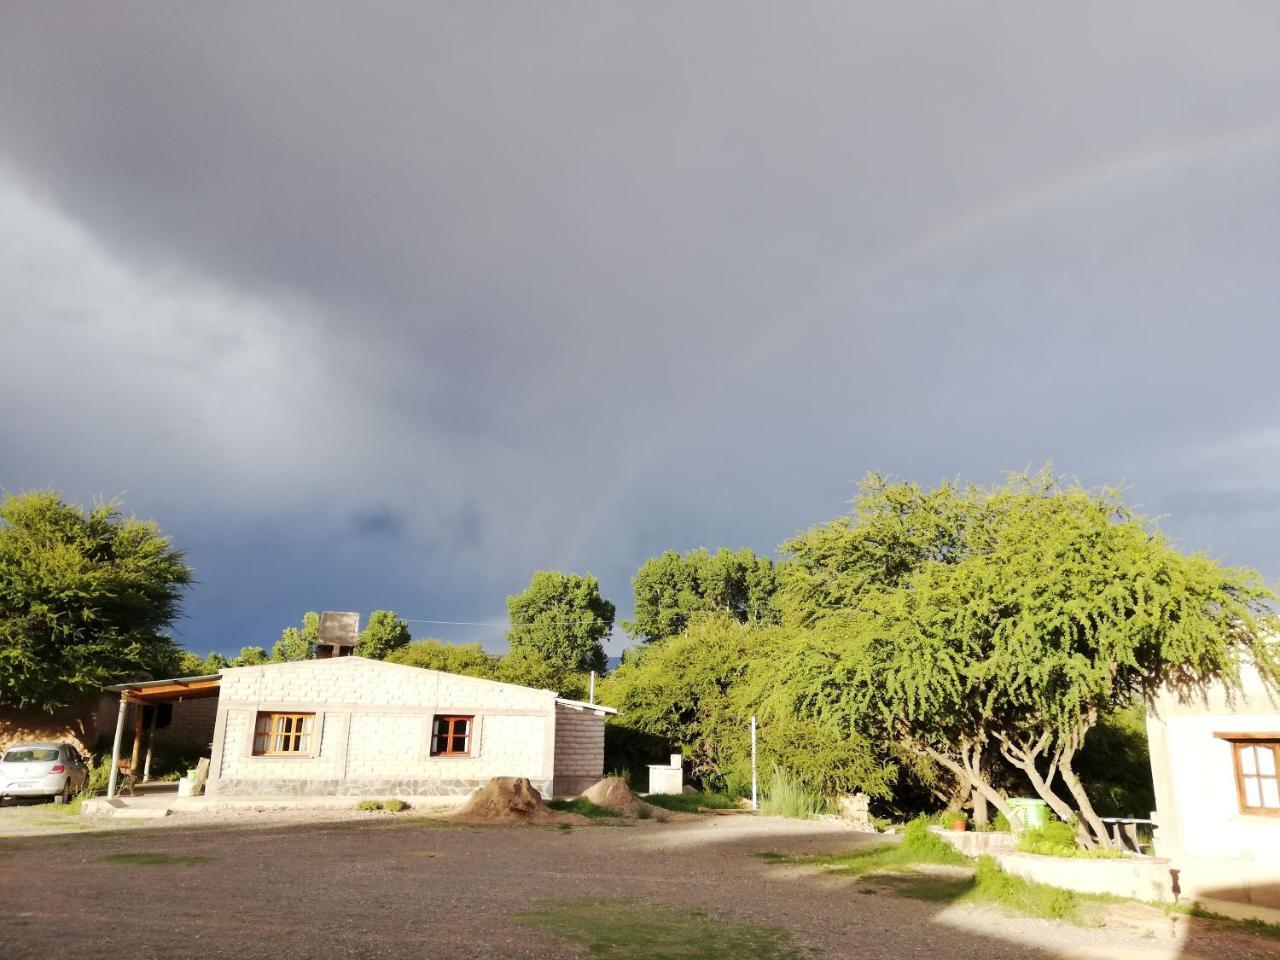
x: 374, y: 723
x: 579, y: 749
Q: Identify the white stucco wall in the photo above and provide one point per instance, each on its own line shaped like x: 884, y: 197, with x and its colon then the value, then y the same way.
x: 1219, y: 851
x: 374, y: 721
x: 579, y: 749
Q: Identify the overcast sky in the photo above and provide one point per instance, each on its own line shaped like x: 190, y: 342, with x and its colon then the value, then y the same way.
x: 389, y: 307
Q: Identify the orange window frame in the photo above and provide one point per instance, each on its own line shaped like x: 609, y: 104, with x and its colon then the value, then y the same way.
x: 1249, y: 771
x: 451, y: 736
x: 283, y: 734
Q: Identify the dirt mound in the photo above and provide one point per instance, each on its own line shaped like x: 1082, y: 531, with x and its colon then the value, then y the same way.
x: 505, y: 799
x: 613, y: 792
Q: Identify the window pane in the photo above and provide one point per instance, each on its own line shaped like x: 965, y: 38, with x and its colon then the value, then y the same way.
x: 1252, y: 793
x: 304, y: 744
x: 459, y: 743
x: 1270, y: 795
x: 1247, y: 763
x: 1266, y: 760
x: 442, y: 744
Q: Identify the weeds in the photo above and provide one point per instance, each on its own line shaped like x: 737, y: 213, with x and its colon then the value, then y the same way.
x: 583, y: 807
x: 395, y: 806
x: 788, y: 797
x: 369, y: 805
x: 627, y: 930
x: 691, y: 802
x: 153, y: 859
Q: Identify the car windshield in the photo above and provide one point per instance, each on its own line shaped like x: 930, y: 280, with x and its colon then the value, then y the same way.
x: 31, y: 755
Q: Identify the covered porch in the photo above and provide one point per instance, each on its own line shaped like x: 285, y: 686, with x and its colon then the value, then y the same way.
x: 135, y: 698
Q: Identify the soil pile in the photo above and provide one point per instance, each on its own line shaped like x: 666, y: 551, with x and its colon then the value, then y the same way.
x: 505, y: 799
x: 613, y: 792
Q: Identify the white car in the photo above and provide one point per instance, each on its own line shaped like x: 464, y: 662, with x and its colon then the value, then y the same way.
x: 42, y: 770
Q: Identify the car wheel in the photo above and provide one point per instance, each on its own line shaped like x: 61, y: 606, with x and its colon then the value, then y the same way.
x: 65, y: 795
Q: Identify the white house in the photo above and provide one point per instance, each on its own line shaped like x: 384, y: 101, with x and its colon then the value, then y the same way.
x: 1215, y: 763
x: 350, y: 726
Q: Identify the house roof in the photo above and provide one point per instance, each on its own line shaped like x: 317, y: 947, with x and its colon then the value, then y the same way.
x: 175, y: 688
x: 579, y: 705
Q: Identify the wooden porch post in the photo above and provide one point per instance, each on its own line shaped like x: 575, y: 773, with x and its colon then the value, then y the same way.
x: 137, y: 742
x: 115, y: 746
x: 151, y: 743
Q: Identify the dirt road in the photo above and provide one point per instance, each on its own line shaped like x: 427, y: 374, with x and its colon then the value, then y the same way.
x: 404, y: 888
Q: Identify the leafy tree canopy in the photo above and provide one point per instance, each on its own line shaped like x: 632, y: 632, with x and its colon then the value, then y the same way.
x: 383, y: 634
x: 1010, y: 617
x: 85, y: 599
x: 431, y: 654
x: 560, y: 620
x: 298, y: 643
x: 673, y: 589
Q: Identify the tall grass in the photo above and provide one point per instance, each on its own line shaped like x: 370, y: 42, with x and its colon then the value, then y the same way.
x: 787, y: 797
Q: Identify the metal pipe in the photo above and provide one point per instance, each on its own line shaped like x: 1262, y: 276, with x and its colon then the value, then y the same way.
x: 591, y: 693
x: 755, y: 800
x: 115, y: 746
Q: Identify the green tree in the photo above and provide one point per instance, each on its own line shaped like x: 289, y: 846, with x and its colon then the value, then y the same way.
x: 383, y: 634
x: 1006, y: 620
x: 86, y: 597
x: 673, y: 589
x: 298, y: 643
x: 561, y: 619
x: 250, y: 657
x: 700, y: 688
x: 431, y: 654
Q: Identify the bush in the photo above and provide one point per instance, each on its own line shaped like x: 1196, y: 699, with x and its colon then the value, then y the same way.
x: 925, y: 845
x: 395, y: 806
x: 369, y: 805
x: 1058, y: 839
x: 787, y: 797
x: 691, y: 802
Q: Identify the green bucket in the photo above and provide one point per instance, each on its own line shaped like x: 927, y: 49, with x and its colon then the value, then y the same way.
x: 1033, y: 813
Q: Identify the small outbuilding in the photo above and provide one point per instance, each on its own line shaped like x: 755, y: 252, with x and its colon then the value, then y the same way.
x: 350, y: 726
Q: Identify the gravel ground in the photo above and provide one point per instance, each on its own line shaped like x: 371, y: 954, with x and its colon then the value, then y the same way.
x: 382, y: 886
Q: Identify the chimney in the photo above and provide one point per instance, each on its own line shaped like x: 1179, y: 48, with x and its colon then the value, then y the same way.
x: 338, y: 632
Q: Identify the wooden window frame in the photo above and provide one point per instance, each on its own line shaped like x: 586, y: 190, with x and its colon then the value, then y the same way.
x: 1252, y: 742
x: 469, y: 737
x: 311, y: 736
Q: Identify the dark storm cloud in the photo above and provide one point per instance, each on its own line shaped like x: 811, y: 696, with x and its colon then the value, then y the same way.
x: 390, y: 306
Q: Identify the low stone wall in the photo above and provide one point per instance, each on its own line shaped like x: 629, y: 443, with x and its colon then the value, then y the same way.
x: 372, y: 787
x: 976, y: 843
x: 1139, y: 878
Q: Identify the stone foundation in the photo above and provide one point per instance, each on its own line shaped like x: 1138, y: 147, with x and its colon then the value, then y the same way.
x: 372, y: 787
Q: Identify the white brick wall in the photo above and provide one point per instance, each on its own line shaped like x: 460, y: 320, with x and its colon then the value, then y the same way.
x: 375, y: 718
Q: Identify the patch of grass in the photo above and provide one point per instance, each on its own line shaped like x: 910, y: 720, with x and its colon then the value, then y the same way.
x: 993, y: 885
x: 788, y: 797
x: 395, y: 806
x: 691, y: 802
x: 923, y: 886
x: 154, y: 859
x: 564, y: 826
x: 629, y: 930
x: 1270, y: 931
x: 584, y: 807
x: 369, y: 805
x: 1058, y: 839
x: 918, y: 845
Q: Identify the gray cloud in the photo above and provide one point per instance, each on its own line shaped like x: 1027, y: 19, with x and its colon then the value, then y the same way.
x: 390, y: 308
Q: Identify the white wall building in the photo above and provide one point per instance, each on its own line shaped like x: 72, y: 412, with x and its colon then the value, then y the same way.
x: 349, y: 726
x: 1215, y: 763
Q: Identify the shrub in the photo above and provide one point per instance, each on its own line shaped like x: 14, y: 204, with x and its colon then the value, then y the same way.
x: 993, y: 885
x: 1058, y: 839
x: 369, y: 805
x: 926, y: 846
x: 395, y: 806
x: 787, y: 797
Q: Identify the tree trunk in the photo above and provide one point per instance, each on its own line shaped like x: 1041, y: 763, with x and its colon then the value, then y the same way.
x: 1024, y: 758
x: 1087, y: 813
x: 976, y: 781
x: 980, y: 815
